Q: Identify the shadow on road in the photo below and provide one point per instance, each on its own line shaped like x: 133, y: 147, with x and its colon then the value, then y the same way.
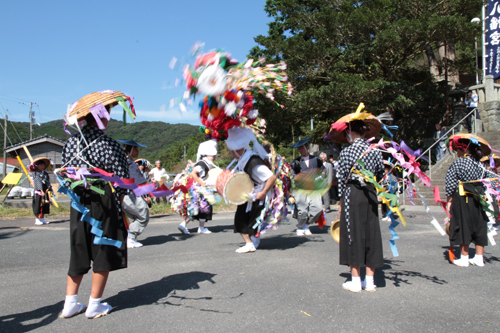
x: 285, y: 242
x: 162, y: 239
x: 162, y: 291
x: 23, y: 322
x: 11, y: 234
x: 398, y: 277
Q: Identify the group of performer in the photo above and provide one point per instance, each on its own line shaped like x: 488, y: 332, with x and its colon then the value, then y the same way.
x: 109, y: 212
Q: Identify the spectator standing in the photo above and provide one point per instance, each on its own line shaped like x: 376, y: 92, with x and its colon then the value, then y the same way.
x: 334, y: 188
x: 471, y: 102
x: 328, y: 170
x: 158, y: 173
x: 440, y: 136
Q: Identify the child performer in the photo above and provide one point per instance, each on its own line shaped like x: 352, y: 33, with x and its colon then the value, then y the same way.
x: 93, y: 148
x: 251, y: 162
x: 41, y: 181
x: 468, y: 220
x: 360, y: 237
x: 207, y: 151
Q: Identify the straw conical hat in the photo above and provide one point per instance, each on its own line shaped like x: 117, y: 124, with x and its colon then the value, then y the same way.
x: 486, y: 160
x: 44, y: 159
x: 106, y: 97
x: 373, y: 123
x: 485, y: 146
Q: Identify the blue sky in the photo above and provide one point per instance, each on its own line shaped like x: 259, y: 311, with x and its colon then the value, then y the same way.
x: 55, y: 52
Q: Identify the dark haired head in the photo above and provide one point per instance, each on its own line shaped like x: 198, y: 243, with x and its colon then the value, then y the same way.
x: 359, y: 127
x: 128, y: 148
x: 475, y: 151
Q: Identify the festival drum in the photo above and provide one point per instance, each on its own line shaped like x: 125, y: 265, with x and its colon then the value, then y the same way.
x: 213, y: 174
x: 335, y: 230
x: 235, y: 187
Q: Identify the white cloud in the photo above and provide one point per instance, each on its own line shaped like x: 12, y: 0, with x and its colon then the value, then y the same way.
x: 172, y: 116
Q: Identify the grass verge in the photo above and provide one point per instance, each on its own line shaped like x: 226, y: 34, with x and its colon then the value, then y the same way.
x: 8, y: 212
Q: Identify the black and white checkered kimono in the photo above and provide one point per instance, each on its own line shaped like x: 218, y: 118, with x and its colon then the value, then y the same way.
x: 360, y: 237
x: 41, y: 183
x: 468, y: 220
x: 106, y: 154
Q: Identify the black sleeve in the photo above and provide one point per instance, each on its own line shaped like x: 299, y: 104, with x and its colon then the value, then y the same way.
x: 295, y: 165
x: 252, y: 163
x: 320, y: 163
x: 204, y: 166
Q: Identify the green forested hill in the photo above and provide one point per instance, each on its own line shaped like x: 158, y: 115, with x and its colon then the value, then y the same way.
x: 157, y: 135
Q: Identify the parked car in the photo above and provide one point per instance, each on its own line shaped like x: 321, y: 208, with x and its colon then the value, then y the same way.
x: 171, y: 177
x: 22, y: 192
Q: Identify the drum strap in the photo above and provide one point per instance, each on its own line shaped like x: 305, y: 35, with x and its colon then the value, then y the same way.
x: 205, y: 168
x: 252, y: 163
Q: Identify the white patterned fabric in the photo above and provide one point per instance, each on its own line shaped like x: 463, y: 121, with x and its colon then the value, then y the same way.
x: 103, y: 153
x: 463, y: 169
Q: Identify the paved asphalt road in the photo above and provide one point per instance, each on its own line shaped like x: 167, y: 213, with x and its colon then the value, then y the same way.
x: 197, y: 283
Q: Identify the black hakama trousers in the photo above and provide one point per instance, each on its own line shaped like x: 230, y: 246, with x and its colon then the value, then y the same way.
x: 468, y: 221
x: 360, y: 237
x: 83, y: 250
x: 244, y: 221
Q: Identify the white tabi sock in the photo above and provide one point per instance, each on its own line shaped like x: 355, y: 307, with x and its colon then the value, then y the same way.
x: 479, y: 258
x: 356, y: 279
x: 96, y: 308
x: 464, y: 258
x: 369, y: 280
x: 70, y: 306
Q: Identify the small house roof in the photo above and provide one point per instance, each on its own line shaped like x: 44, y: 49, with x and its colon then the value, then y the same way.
x: 41, y: 139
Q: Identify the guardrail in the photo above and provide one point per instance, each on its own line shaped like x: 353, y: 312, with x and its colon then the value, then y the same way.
x: 452, y: 131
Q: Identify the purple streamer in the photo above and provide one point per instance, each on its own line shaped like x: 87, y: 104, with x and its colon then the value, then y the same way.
x: 66, y: 130
x: 492, y: 162
x: 99, y: 111
x: 333, y: 148
x: 143, y: 190
x: 407, y: 149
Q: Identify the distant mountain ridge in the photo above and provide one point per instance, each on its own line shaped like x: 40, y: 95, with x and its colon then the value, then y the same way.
x: 156, y: 135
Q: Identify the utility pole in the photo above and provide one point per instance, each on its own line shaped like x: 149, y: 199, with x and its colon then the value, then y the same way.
x: 31, y: 117
x: 5, y: 145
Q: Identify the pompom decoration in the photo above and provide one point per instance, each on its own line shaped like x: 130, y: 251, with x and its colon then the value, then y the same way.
x: 229, y: 86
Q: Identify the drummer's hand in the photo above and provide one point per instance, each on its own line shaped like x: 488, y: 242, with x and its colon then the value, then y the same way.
x: 448, y: 205
x: 261, y: 196
x: 203, y: 184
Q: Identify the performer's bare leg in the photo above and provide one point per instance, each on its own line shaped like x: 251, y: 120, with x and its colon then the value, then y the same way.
x: 73, y: 284
x: 246, y: 238
x: 479, y: 250
x: 464, y: 250
x: 99, y: 280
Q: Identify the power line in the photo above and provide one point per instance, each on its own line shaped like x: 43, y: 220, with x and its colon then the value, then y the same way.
x: 5, y: 131
x: 15, y: 98
x: 39, y: 113
x: 15, y: 130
